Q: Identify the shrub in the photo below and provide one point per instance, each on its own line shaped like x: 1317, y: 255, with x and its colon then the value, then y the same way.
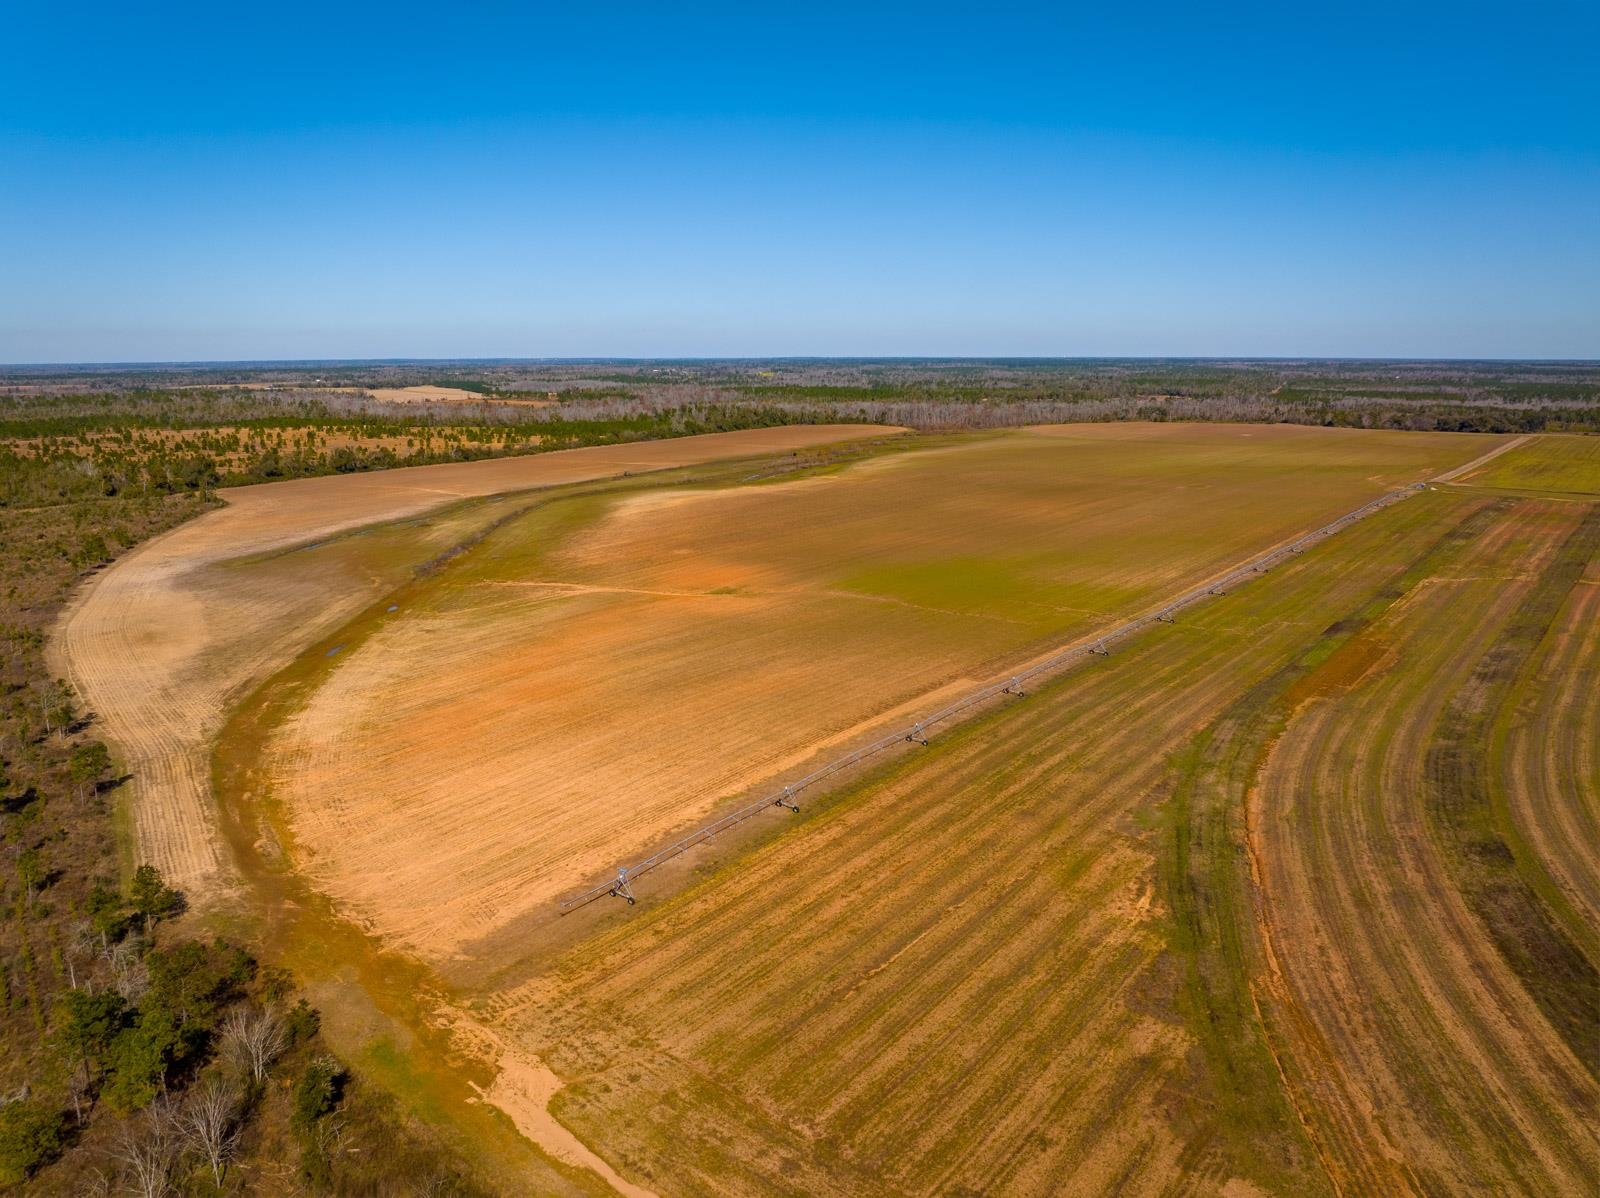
x: 140, y: 1057
x: 316, y: 1092
x: 87, y: 1023
x: 194, y: 981
x: 302, y: 1022
x: 31, y: 1135
x: 151, y: 896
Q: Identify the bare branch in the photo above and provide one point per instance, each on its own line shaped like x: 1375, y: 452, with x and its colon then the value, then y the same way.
x: 148, y: 1149
x: 253, y: 1039
x: 210, y: 1123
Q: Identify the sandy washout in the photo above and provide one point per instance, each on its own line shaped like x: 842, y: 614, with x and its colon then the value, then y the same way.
x: 522, y: 1089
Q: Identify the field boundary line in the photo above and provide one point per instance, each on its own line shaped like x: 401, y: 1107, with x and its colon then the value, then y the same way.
x: 621, y: 886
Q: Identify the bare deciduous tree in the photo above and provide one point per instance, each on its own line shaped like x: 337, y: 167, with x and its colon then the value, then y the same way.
x: 148, y: 1149
x: 253, y: 1039
x: 210, y: 1123
x: 129, y: 975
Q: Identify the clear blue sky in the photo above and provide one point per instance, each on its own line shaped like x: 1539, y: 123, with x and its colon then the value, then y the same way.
x: 226, y: 181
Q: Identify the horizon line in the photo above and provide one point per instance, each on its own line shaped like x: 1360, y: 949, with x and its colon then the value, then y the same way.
x: 704, y: 359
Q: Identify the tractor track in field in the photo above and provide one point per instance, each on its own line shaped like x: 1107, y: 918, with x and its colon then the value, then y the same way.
x: 964, y: 990
x: 166, y: 738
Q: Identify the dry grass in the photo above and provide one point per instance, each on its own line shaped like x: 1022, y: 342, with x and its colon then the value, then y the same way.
x: 1425, y: 1061
x: 1551, y: 462
x: 1218, y: 915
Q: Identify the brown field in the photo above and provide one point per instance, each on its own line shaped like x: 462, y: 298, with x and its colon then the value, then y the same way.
x: 1180, y: 923
x: 431, y: 394
x: 1296, y: 896
x: 602, y: 672
x: 1372, y: 886
x: 163, y: 642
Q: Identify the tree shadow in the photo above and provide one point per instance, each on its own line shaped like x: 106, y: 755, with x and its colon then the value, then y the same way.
x: 13, y: 804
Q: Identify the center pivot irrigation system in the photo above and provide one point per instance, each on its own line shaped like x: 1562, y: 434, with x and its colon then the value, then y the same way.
x: 622, y: 885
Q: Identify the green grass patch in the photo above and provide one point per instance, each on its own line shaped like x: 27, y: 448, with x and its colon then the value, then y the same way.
x: 992, y: 586
x: 1560, y: 465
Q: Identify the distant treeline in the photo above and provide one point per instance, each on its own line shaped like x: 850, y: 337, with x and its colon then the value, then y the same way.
x: 51, y: 459
x: 122, y: 434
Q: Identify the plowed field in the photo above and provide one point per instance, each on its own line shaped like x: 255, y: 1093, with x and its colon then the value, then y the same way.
x: 1294, y: 897
x: 163, y: 642
x: 1298, y: 895
x: 602, y: 671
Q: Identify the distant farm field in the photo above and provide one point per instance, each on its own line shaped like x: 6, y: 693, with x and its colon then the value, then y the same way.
x: 608, y: 667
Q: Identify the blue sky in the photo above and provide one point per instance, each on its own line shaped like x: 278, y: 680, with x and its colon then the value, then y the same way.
x: 283, y: 181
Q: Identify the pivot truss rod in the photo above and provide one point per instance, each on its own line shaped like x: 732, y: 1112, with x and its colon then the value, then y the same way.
x: 622, y: 885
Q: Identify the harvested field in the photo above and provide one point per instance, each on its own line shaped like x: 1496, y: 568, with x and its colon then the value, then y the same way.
x: 602, y: 671
x: 161, y: 644
x: 1184, y: 921
x: 1440, y: 995
x: 1295, y: 896
x: 424, y: 394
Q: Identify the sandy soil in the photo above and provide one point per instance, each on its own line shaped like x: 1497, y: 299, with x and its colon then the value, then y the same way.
x: 959, y: 981
x: 424, y: 393
x: 956, y: 983
x: 431, y: 394
x: 554, y: 712
x: 159, y: 645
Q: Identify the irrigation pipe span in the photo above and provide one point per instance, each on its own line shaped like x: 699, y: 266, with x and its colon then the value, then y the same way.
x: 621, y: 885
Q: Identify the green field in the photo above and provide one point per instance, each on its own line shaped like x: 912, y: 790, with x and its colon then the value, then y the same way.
x: 1565, y: 465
